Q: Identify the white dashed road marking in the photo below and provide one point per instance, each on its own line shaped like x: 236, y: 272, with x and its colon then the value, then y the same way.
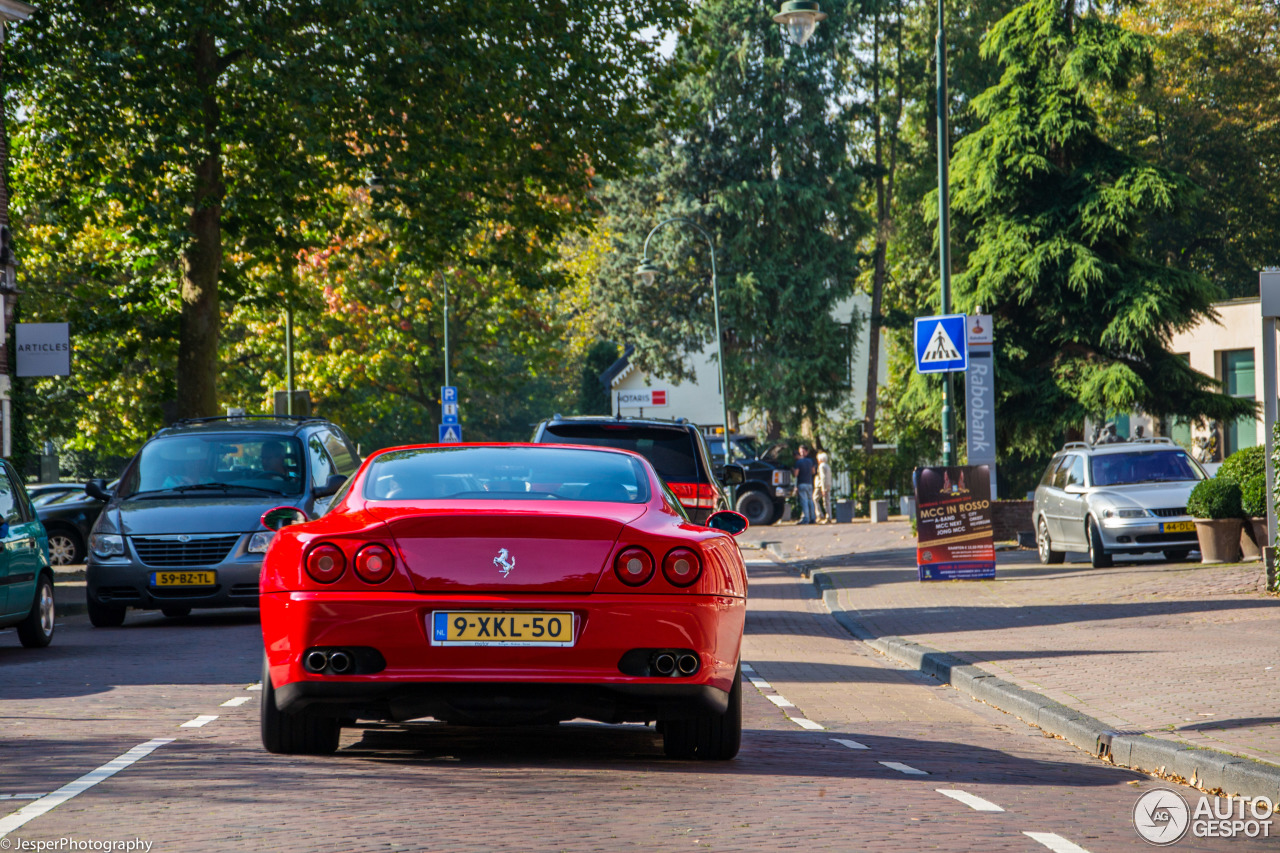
x: 807, y: 724
x: 975, y: 803
x: 236, y: 702
x: 51, y: 801
x: 20, y: 796
x: 1056, y: 843
x: 780, y: 701
x: 202, y: 720
x: 746, y: 667
x: 852, y: 744
x: 257, y: 686
x: 761, y: 684
x: 903, y: 768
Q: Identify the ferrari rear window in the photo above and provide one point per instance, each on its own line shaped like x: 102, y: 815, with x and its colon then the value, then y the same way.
x: 505, y: 473
x: 672, y: 451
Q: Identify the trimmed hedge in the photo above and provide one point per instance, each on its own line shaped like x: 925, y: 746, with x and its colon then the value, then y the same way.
x: 1253, y: 496
x: 1215, y: 498
x: 1243, y: 465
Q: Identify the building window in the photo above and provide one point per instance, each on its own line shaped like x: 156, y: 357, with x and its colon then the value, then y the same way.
x: 1237, y: 376
x: 1180, y: 428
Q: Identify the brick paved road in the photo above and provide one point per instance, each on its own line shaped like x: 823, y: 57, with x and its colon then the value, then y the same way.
x: 97, y: 693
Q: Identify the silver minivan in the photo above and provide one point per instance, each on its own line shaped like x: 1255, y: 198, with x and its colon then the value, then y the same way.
x: 1124, y: 498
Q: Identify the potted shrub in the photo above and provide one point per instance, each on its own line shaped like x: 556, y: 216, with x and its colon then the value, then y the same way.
x: 1253, y: 500
x: 1215, y: 506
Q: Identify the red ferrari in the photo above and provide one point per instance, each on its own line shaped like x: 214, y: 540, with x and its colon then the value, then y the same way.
x: 504, y: 585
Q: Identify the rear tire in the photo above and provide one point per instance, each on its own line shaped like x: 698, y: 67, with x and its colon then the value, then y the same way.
x: 294, y: 734
x: 1098, y: 555
x: 36, y: 631
x: 104, y: 615
x: 1048, y: 556
x: 176, y: 612
x: 757, y: 507
x: 708, y: 737
x: 65, y: 548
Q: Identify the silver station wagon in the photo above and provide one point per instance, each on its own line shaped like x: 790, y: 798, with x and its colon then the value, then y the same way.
x: 1124, y: 498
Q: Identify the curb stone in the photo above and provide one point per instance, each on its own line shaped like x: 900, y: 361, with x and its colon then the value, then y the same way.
x: 1209, y: 768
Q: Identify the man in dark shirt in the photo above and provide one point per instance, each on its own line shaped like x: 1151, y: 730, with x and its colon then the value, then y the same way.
x: 804, y: 484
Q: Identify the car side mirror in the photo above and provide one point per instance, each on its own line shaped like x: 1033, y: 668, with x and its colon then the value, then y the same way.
x: 282, y: 516
x: 1074, y: 489
x: 97, y: 488
x: 733, y: 474
x: 330, y: 486
x: 727, y: 520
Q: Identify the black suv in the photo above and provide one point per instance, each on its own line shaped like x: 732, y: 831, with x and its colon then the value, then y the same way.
x: 766, y: 484
x: 182, y: 528
x: 675, y: 448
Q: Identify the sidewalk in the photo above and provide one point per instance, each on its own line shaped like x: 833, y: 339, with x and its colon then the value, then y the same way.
x: 1183, y: 653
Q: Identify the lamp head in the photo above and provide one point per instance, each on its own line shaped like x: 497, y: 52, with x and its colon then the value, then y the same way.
x: 798, y: 19
x: 647, y: 271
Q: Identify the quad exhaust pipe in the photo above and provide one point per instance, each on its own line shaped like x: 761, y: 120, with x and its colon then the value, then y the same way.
x: 340, y: 662
x: 316, y: 661
x: 672, y: 663
x: 351, y: 660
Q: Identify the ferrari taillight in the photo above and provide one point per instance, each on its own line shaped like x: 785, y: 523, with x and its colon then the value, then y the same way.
x: 633, y: 566
x: 326, y: 563
x: 374, y: 563
x: 681, y: 566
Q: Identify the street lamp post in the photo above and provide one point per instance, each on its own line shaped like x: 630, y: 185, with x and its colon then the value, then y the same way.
x: 648, y: 272
x: 799, y: 18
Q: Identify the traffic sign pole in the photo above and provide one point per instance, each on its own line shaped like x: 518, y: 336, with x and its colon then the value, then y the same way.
x: 944, y: 230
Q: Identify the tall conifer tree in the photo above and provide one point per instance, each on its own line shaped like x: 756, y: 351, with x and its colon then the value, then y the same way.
x: 1084, y: 319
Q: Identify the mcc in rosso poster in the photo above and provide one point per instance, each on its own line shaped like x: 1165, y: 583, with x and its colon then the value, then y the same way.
x: 953, y: 523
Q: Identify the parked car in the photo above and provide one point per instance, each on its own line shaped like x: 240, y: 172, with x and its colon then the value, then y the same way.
x: 504, y: 585
x: 181, y: 530
x: 766, y: 485
x: 675, y: 448
x: 1123, y: 498
x: 68, y: 515
x: 26, y: 579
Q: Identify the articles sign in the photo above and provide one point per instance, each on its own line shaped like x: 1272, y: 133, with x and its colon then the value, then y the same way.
x: 953, y: 524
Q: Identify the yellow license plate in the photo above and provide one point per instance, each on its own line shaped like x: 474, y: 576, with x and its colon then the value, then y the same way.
x: 1178, y: 527
x: 184, y: 578
x: 500, y: 628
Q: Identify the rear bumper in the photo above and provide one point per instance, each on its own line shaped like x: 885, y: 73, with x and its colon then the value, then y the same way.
x: 502, y: 684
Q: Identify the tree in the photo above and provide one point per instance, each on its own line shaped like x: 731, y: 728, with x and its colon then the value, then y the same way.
x: 754, y: 145
x: 212, y: 134
x: 1055, y: 249
x: 1212, y: 114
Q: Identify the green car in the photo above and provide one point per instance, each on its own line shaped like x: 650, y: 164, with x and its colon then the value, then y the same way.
x: 26, y: 580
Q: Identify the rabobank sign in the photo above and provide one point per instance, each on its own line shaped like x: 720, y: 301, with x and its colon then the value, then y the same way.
x: 980, y: 392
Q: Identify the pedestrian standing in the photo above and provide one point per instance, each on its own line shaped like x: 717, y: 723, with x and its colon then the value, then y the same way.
x: 822, y: 485
x: 803, y: 472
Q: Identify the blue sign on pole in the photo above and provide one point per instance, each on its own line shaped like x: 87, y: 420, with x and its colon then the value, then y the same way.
x: 449, y: 413
x: 448, y: 393
x: 941, y: 344
x: 450, y: 434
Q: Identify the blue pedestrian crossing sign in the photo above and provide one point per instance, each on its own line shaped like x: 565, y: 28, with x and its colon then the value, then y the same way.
x: 941, y: 344
x: 450, y: 434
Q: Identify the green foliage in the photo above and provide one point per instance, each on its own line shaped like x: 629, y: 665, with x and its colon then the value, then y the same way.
x: 594, y: 398
x: 1243, y: 465
x: 1214, y: 498
x: 755, y: 147
x: 1253, y: 496
x: 1056, y: 212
